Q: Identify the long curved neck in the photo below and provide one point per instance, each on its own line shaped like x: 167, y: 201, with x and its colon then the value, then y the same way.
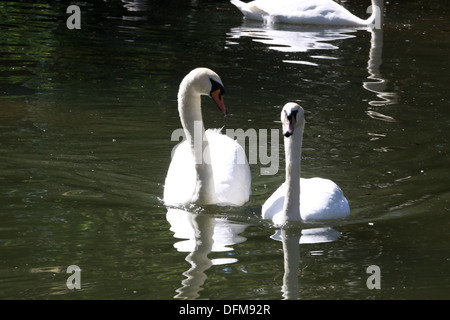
x: 189, y: 108
x: 376, y: 18
x: 293, y: 152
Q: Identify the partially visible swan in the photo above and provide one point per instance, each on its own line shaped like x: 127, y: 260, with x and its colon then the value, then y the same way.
x: 208, y: 167
x: 302, y: 199
x: 326, y: 12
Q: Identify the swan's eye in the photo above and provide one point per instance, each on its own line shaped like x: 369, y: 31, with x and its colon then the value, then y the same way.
x: 292, y: 116
x: 217, y: 86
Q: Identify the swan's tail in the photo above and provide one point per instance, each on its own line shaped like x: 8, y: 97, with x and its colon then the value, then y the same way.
x: 239, y: 4
x: 249, y: 11
x: 242, y: 6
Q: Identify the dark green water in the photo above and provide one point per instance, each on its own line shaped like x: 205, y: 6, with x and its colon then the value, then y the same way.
x: 86, y: 118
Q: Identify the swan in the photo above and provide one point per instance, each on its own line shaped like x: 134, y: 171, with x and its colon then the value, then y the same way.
x: 299, y: 199
x: 326, y: 12
x: 208, y: 167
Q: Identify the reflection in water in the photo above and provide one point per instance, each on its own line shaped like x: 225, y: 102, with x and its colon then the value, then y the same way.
x: 287, y: 38
x: 378, y: 83
x: 135, y: 10
x: 136, y: 5
x: 291, y: 239
x: 203, y: 234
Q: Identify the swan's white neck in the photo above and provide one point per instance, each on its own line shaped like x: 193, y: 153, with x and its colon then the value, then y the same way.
x: 189, y: 107
x: 293, y: 152
x: 376, y: 18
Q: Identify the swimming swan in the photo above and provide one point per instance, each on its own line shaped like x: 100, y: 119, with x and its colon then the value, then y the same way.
x: 299, y: 199
x: 326, y: 12
x: 208, y: 167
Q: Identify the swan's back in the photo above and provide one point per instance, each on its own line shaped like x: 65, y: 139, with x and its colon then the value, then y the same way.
x: 231, y: 172
x: 232, y: 178
x: 298, y: 11
x: 320, y: 199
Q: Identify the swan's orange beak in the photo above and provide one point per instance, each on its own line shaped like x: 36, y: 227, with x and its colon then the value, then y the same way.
x: 218, y: 99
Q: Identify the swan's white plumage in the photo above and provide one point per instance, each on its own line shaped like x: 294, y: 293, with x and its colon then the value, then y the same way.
x: 231, y: 175
x: 325, y: 12
x: 300, y: 199
x: 320, y: 199
x: 221, y: 174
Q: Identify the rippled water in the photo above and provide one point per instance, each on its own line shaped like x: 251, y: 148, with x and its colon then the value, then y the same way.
x: 86, y: 118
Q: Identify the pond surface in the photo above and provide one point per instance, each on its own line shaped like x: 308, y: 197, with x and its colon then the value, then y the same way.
x: 86, y: 118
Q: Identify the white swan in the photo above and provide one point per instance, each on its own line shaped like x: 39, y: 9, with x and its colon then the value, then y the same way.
x: 326, y: 12
x: 208, y: 167
x: 302, y: 199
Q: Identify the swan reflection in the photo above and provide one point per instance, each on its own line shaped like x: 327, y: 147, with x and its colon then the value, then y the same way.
x: 291, y: 239
x: 294, y: 38
x: 135, y: 5
x: 377, y: 83
x: 202, y: 235
x: 289, y: 38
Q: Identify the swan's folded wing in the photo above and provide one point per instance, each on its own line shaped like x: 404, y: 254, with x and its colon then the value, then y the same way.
x: 322, y: 199
x: 232, y: 178
x: 250, y: 10
x: 274, y: 204
x: 181, y: 177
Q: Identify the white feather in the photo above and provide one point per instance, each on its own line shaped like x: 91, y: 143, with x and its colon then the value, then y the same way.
x: 325, y: 12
